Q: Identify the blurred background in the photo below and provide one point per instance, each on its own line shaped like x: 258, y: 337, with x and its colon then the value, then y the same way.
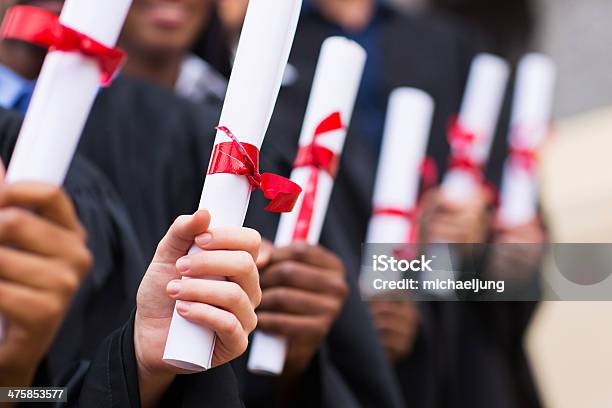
x: 568, y: 342
x: 576, y: 34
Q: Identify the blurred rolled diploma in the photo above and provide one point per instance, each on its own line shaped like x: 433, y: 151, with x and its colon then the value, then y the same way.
x: 396, y: 191
x: 260, y: 62
x: 334, y: 90
x: 479, y: 115
x: 65, y: 91
x: 529, y: 126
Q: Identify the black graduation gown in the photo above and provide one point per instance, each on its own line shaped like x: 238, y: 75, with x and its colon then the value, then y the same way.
x: 434, y: 56
x: 93, y: 353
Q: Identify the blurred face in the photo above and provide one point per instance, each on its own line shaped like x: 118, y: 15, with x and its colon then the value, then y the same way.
x: 164, y: 26
x: 350, y: 14
x: 231, y: 13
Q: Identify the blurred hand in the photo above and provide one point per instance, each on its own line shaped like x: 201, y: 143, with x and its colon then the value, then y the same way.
x: 43, y: 258
x: 227, y: 306
x: 304, y: 288
x: 520, y: 259
x: 444, y: 220
x: 528, y: 233
x: 397, y: 323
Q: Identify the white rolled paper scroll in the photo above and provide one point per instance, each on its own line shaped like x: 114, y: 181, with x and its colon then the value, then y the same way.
x: 479, y: 115
x: 334, y: 90
x: 65, y: 91
x: 407, y: 129
x: 261, y: 58
x: 529, y: 126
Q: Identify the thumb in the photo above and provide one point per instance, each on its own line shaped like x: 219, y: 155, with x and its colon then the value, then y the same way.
x: 181, y: 235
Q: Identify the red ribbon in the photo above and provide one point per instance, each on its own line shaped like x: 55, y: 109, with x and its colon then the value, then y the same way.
x: 43, y: 28
x: 429, y: 173
x: 243, y: 159
x: 523, y: 158
x: 459, y: 137
x: 409, y: 215
x: 406, y: 252
x: 318, y: 158
x: 461, y: 141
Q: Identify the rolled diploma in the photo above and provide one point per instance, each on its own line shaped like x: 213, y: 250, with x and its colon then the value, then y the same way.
x: 531, y: 112
x: 404, y: 146
x: 479, y: 113
x: 65, y: 91
x: 335, y: 87
x: 261, y: 58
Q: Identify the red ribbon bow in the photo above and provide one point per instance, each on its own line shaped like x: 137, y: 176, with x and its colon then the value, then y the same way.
x: 43, y: 28
x: 243, y: 159
x: 461, y: 141
x: 319, y: 158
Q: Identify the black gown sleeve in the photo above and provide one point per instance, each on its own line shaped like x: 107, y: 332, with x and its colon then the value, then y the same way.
x: 112, y: 380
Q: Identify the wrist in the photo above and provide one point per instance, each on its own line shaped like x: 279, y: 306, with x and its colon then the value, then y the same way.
x: 153, y: 379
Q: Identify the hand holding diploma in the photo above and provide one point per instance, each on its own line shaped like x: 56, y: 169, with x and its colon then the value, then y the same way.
x: 233, y: 173
x: 395, y: 201
x: 458, y: 212
x: 42, y: 262
x: 517, y: 219
x: 329, y: 112
x: 225, y: 306
x: 304, y: 289
x: 396, y: 192
x: 529, y: 127
x: 471, y: 134
x: 81, y: 55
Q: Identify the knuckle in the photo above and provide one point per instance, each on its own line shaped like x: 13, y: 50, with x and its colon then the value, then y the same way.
x: 245, y: 262
x: 251, y: 322
x: 257, y: 297
x: 84, y: 261
x: 55, y: 193
x: 343, y: 289
x: 235, y: 294
x: 51, y: 194
x: 81, y: 232
x: 320, y: 329
x: 11, y: 220
x: 254, y: 238
x: 299, y: 250
x: 52, y: 311
x: 242, y: 344
x: 276, y: 298
x: 67, y: 280
x: 229, y: 325
x: 286, y: 271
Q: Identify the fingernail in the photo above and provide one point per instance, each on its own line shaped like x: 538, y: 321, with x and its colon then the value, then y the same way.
x: 173, y: 288
x: 182, y: 307
x: 183, y: 264
x: 203, y: 239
